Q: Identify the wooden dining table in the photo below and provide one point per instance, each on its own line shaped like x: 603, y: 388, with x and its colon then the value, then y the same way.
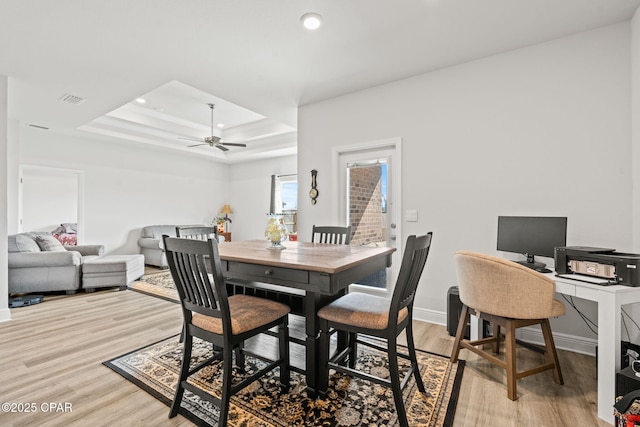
x: 317, y: 272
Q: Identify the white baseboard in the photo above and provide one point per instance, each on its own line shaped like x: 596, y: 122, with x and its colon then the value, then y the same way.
x: 430, y: 316
x: 563, y: 341
x: 5, y: 315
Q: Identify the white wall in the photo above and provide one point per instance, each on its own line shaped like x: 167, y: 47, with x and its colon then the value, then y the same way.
x: 543, y: 130
x: 49, y: 198
x: 250, y: 192
x: 635, y: 126
x: 5, y: 314
x: 13, y: 175
x: 127, y: 187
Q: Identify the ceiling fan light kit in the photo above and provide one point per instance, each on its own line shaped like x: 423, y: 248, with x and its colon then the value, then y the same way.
x: 214, y: 141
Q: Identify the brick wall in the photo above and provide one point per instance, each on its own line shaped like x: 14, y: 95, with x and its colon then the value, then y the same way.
x: 365, y: 209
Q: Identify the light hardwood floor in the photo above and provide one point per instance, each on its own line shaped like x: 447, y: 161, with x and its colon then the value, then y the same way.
x: 53, y: 352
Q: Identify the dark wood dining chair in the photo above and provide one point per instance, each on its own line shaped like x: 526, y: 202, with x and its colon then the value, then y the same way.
x: 331, y: 234
x: 197, y: 232
x: 225, y: 321
x: 360, y: 313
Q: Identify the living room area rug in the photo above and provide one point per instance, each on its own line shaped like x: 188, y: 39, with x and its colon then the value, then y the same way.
x: 158, y: 284
x: 348, y: 402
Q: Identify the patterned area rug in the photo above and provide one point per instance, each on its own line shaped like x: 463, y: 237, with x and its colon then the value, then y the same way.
x: 349, y: 401
x: 158, y: 285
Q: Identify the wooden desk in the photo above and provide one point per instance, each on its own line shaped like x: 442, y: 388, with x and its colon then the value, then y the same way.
x: 610, y: 300
x: 322, y: 271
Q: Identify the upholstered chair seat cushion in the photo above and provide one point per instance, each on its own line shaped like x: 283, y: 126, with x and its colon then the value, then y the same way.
x: 362, y: 310
x: 247, y: 313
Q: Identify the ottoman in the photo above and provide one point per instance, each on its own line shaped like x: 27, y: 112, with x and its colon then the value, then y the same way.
x: 112, y: 270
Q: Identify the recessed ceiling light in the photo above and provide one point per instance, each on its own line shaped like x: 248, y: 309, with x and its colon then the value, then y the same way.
x: 311, y: 21
x: 141, y: 100
x: 220, y: 125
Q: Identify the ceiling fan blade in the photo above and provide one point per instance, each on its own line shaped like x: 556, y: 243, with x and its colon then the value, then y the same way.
x: 197, y: 145
x: 222, y: 147
x: 190, y: 139
x: 234, y: 144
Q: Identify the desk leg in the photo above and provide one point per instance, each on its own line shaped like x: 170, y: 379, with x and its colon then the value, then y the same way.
x: 475, y: 327
x: 609, y: 316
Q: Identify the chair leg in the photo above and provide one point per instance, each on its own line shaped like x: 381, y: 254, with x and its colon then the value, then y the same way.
x: 395, y: 382
x: 413, y: 358
x: 552, y: 355
x: 510, y: 356
x: 283, y: 337
x: 240, y: 360
x: 225, y: 393
x: 353, y: 352
x: 462, y: 323
x: 182, y: 334
x: 184, y: 371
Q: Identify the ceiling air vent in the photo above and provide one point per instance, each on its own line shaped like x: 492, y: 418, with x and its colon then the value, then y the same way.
x: 72, y: 99
x: 37, y: 126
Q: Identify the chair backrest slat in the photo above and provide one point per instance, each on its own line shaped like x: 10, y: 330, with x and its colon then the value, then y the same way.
x: 331, y: 234
x: 415, y: 256
x: 197, y: 232
x: 193, y: 263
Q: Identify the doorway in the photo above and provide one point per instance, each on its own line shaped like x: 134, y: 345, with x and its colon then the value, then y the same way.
x: 369, y: 188
x: 49, y: 197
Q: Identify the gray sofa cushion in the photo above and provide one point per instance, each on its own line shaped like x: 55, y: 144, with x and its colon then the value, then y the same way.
x: 112, y: 270
x: 49, y: 244
x: 44, y: 259
x: 22, y: 243
x: 86, y: 250
x: 157, y: 231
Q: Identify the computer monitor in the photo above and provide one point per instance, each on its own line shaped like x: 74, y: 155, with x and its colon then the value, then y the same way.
x: 531, y: 236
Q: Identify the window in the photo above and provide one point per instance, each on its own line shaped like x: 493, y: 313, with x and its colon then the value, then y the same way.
x: 284, y: 199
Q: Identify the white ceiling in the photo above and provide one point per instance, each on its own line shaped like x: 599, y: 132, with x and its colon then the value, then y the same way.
x: 251, y: 58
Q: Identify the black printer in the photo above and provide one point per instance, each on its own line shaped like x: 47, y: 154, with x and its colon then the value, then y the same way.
x: 617, y: 267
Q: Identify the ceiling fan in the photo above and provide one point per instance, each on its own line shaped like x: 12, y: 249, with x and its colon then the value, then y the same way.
x: 214, y: 141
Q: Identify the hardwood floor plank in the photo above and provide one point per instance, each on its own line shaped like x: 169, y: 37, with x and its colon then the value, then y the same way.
x: 53, y: 352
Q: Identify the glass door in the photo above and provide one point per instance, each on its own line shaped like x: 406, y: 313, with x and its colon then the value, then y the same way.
x: 368, y: 188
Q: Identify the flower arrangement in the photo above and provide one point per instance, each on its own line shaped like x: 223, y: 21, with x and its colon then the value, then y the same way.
x: 276, y: 232
x: 221, y: 221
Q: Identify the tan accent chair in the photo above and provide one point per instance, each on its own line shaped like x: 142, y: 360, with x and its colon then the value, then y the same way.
x: 225, y: 321
x: 509, y: 296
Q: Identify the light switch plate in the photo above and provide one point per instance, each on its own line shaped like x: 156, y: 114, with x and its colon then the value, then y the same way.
x: 411, y: 215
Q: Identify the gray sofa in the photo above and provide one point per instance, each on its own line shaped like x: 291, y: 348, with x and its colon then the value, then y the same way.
x: 37, y: 264
x: 151, y: 245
